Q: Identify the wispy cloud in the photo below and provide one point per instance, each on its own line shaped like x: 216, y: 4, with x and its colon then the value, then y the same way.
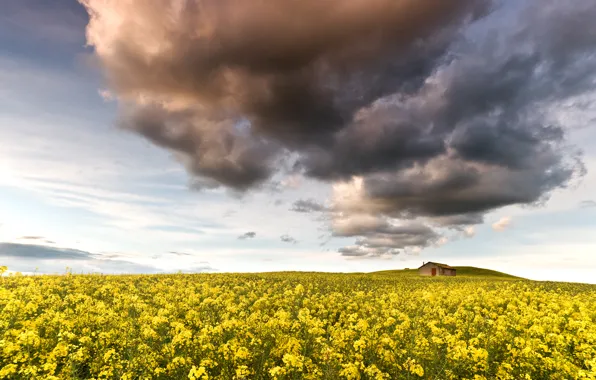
x: 247, y: 235
x: 38, y: 239
x: 44, y: 259
x: 200, y: 268
x: 587, y: 204
x: 469, y: 231
x: 32, y: 251
x: 288, y: 239
x: 179, y: 253
x: 141, y: 210
x: 229, y: 213
x: 31, y: 238
x: 502, y: 224
x: 308, y: 206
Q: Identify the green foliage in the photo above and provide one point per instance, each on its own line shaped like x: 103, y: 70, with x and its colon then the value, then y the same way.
x: 481, y: 272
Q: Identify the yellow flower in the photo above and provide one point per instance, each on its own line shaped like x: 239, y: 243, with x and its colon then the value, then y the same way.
x: 199, y: 373
x: 294, y: 325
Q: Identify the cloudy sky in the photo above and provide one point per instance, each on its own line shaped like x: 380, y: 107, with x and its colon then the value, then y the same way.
x: 150, y: 136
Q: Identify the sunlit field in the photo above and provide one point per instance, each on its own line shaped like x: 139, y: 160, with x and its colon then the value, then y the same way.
x: 389, y: 325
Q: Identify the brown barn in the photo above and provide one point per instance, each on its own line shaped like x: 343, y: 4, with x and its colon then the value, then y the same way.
x: 436, y: 269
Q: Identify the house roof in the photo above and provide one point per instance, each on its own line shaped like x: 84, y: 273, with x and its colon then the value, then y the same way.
x: 445, y: 266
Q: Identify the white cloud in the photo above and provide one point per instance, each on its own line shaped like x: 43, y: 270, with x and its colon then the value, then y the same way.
x: 502, y: 224
x: 469, y: 231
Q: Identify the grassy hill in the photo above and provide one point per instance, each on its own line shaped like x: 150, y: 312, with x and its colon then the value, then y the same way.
x: 481, y: 272
x: 461, y: 272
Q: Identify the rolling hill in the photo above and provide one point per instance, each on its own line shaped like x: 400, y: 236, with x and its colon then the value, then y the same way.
x: 461, y: 272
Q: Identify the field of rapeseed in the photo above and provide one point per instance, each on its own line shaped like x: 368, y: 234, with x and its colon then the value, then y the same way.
x: 294, y: 326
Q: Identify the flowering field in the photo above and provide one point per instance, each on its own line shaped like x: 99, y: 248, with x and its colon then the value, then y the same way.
x: 294, y: 326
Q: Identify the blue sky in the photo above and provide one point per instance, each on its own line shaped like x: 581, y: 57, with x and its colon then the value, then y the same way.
x: 71, y: 180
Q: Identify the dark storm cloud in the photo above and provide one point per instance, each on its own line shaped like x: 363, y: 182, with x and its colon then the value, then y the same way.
x: 373, y: 86
x: 288, y: 239
x: 242, y: 82
x: 247, y: 235
x: 308, y: 206
x: 368, y: 227
x: 378, y: 236
x: 489, y: 108
x: 458, y: 221
x: 214, y: 150
x: 445, y: 110
x: 455, y: 187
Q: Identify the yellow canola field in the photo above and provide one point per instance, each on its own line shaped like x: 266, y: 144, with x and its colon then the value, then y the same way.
x: 294, y: 326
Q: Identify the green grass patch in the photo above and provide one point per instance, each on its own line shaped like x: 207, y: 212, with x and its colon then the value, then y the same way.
x: 461, y: 272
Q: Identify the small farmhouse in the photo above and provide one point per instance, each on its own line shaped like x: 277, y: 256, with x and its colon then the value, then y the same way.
x: 436, y: 269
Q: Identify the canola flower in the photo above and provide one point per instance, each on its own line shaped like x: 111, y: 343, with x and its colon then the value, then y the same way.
x: 294, y: 326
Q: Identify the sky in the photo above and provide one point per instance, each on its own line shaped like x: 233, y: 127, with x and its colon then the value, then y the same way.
x: 234, y: 136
